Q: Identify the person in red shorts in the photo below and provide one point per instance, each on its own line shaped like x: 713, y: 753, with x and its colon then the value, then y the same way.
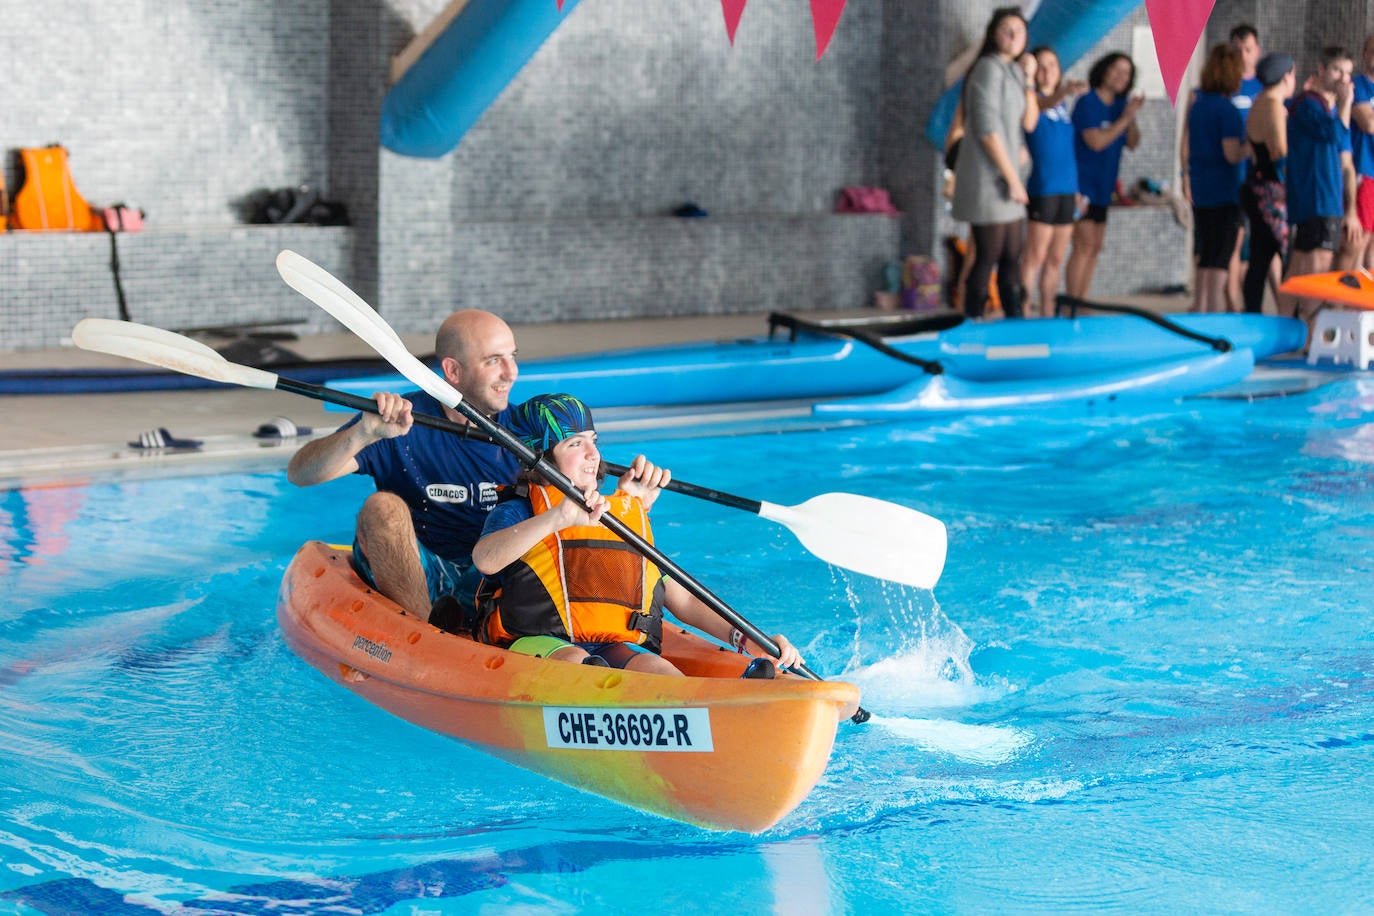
x: 1361, y: 253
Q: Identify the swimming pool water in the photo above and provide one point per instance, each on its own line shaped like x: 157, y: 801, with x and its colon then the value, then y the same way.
x: 1144, y: 683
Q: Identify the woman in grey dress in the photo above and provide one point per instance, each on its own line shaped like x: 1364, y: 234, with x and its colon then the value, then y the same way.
x: 988, y: 191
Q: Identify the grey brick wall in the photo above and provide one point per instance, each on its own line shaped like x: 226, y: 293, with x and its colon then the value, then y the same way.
x: 913, y: 62
x: 665, y: 267
x: 553, y: 206
x: 172, y: 278
x: 182, y: 107
x: 633, y: 106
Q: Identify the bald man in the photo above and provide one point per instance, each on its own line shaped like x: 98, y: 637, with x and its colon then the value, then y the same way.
x: 434, y: 489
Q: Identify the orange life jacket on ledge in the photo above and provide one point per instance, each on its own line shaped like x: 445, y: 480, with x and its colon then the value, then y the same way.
x: 48, y: 200
x: 612, y: 594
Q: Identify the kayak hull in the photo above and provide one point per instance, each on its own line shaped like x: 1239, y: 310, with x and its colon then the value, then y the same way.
x: 708, y: 749
x: 947, y: 395
x: 821, y: 366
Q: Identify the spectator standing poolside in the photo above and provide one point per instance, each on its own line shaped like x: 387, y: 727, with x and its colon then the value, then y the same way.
x: 1053, y: 184
x: 1104, y: 123
x: 1263, y: 196
x: 1321, y: 173
x: 1216, y: 149
x: 988, y: 192
x: 1362, y: 151
x: 1245, y: 40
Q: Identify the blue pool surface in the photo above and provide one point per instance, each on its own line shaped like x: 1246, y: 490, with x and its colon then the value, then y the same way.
x: 1145, y: 683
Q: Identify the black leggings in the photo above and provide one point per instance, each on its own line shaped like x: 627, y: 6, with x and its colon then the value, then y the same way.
x: 1263, y: 249
x: 996, y: 245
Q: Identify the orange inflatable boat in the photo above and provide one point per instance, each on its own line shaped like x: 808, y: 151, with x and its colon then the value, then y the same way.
x: 709, y: 749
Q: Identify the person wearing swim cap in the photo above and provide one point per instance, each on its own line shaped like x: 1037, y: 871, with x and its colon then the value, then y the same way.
x: 1264, y: 196
x: 562, y: 586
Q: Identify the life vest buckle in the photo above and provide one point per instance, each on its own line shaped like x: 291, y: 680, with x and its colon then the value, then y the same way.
x: 651, y: 625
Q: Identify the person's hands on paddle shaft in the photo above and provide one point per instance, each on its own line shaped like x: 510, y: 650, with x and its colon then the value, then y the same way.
x: 393, y: 417
x: 336, y: 455
x: 645, y: 479
x: 568, y: 513
x: 787, y: 653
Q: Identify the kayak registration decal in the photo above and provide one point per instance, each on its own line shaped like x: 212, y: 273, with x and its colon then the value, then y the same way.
x: 620, y: 729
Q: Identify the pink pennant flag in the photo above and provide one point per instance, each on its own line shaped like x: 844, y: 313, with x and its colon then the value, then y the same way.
x: 560, y: 6
x: 733, y: 10
x: 1177, y: 26
x: 825, y: 15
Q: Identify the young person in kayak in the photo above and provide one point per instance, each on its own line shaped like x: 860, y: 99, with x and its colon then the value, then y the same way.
x: 568, y: 588
x: 434, y: 489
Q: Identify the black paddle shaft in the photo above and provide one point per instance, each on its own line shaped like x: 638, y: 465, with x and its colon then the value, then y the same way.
x: 706, y: 493
x: 531, y: 459
x: 343, y: 399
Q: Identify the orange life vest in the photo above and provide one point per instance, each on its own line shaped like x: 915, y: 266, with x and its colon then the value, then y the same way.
x: 582, y: 584
x: 48, y: 199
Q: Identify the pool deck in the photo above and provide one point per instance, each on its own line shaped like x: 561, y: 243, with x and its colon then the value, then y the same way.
x: 62, y: 436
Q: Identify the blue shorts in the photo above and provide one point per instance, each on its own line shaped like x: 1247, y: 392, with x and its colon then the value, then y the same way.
x: 444, y: 577
x: 604, y: 648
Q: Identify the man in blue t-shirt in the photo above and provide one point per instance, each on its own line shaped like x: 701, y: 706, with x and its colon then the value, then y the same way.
x: 1362, y: 150
x: 1245, y: 40
x: 434, y: 489
x: 1320, y: 181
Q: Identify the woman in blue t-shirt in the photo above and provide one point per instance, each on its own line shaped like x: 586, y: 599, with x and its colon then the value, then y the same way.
x: 1216, y: 151
x: 1104, y: 122
x: 1053, y: 183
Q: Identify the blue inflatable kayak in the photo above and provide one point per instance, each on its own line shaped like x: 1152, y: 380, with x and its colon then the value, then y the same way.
x: 825, y: 364
x: 936, y: 395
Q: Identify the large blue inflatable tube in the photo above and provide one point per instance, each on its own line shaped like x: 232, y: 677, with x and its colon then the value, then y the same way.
x: 457, y: 78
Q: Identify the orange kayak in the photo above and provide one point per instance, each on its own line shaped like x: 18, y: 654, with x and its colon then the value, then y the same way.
x: 1351, y: 287
x: 709, y: 749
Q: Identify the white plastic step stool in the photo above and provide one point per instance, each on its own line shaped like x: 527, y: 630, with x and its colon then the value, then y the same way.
x: 1343, y: 336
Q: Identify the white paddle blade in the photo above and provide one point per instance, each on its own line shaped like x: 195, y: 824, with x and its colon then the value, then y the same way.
x: 325, y: 290
x: 869, y: 536
x: 157, y: 347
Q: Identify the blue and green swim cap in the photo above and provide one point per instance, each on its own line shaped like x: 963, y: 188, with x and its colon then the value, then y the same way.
x: 547, y: 419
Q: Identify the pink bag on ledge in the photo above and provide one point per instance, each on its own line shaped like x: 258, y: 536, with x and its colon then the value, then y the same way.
x: 121, y: 218
x: 865, y: 200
